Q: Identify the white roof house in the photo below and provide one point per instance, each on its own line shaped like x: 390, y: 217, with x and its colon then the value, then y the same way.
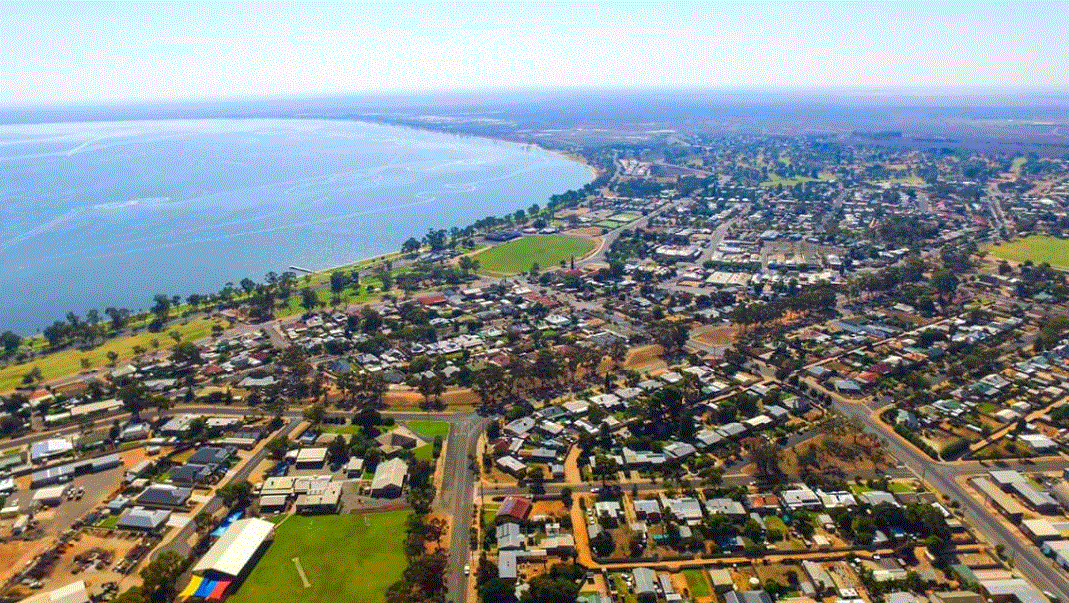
x: 50, y: 448
x: 235, y: 548
x: 389, y: 477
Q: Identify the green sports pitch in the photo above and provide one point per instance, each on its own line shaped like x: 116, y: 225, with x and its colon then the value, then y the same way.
x: 1037, y: 248
x: 352, y: 557
x: 545, y: 250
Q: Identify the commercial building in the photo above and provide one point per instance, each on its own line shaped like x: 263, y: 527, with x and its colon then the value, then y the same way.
x: 231, y: 554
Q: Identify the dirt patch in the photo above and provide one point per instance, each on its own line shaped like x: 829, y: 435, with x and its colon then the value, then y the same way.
x: 260, y: 471
x: 442, y: 523
x: 409, y: 400
x: 69, y: 567
x: 553, y: 508
x: 15, y: 554
x: 644, y: 358
x: 588, y: 231
x: 848, y: 454
x: 778, y: 572
x: 722, y: 335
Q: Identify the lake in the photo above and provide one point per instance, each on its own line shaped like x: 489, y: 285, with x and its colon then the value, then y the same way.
x: 101, y: 214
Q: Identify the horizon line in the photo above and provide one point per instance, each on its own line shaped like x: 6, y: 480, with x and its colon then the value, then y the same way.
x: 886, y: 92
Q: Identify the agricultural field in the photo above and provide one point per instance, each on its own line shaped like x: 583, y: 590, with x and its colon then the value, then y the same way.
x: 1038, y: 248
x: 353, y: 557
x: 546, y: 250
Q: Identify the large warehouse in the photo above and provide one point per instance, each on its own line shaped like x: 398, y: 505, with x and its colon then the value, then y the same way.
x: 229, y: 559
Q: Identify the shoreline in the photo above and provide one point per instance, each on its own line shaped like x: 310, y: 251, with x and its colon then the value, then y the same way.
x: 376, y: 257
x: 573, y: 157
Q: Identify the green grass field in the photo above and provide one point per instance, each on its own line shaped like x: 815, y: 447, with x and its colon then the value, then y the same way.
x: 353, y: 557
x: 429, y: 429
x: 1038, y: 248
x: 69, y: 362
x: 546, y: 250
x: 424, y: 452
x: 773, y: 522
x: 899, y: 488
x: 696, y: 582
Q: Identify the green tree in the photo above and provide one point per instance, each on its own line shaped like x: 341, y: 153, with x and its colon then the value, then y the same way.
x: 315, y: 413
x: 410, y: 246
x: 309, y: 299
x: 235, y: 493
x: 497, y: 590
x: 338, y: 451
x: 278, y: 447
x: 158, y: 577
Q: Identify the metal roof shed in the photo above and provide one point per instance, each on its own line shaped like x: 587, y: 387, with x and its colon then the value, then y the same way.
x: 238, y: 545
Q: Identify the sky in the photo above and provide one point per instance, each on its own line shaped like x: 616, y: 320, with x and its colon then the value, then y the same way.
x: 87, y: 53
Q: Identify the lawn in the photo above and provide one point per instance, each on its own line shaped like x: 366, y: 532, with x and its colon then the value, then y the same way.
x: 69, y: 361
x: 1038, y: 248
x: 489, y: 515
x: 696, y: 582
x: 424, y: 452
x: 773, y: 522
x: 342, y: 429
x: 546, y: 250
x: 353, y: 557
x: 774, y: 179
x: 108, y: 522
x: 429, y: 429
x: 899, y: 487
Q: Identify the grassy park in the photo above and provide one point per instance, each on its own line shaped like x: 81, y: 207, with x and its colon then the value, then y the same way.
x: 69, y: 361
x: 1038, y: 248
x: 546, y: 250
x: 352, y: 557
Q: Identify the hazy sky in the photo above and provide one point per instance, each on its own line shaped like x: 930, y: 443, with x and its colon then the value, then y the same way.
x: 64, y: 53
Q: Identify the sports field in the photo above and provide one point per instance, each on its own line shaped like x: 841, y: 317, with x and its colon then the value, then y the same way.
x: 353, y: 557
x: 546, y: 250
x: 1038, y: 248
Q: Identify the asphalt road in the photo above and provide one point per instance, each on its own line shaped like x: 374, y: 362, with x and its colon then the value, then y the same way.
x: 943, y: 478
x: 607, y: 239
x: 180, y: 542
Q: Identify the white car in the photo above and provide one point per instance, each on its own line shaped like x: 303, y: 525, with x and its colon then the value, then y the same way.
x: 467, y: 569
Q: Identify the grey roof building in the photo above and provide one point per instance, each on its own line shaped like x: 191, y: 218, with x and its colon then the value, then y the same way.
x: 389, y: 478
x: 145, y: 520
x: 211, y: 455
x: 747, y: 596
x: 164, y: 496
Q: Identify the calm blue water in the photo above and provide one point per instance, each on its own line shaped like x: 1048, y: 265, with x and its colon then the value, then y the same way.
x: 109, y: 214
